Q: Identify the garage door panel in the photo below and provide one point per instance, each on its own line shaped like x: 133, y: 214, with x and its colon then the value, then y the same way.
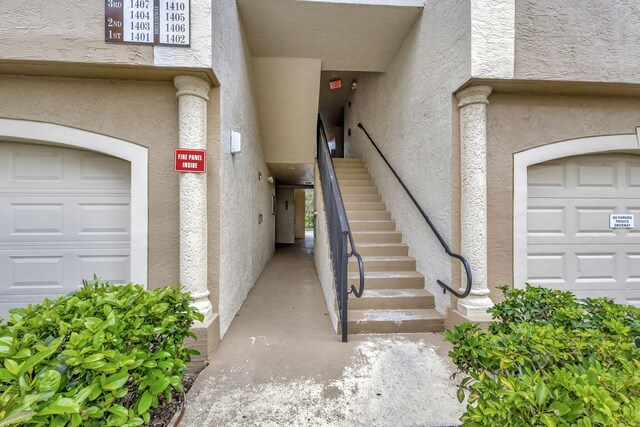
x: 97, y: 169
x: 36, y: 164
x: 597, y: 175
x: 108, y: 268
x: 104, y: 219
x: 65, y: 215
x: 578, y: 221
x: 32, y: 273
x: 546, y: 268
x: 36, y: 219
x: 597, y: 267
x: 569, y: 242
x: 32, y: 166
x: 77, y: 218
x: 633, y: 175
x: 547, y: 175
x: 547, y: 221
x: 47, y: 271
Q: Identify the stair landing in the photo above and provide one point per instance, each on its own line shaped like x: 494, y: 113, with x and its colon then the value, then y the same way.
x: 394, y: 300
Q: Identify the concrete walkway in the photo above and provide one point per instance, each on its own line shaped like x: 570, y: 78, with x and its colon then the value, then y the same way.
x: 281, y: 364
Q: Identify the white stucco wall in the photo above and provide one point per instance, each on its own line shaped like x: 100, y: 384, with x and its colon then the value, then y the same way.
x: 245, y: 245
x: 591, y: 40
x: 408, y: 111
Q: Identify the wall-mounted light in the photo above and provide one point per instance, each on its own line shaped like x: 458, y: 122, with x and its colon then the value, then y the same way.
x: 236, y: 142
x: 354, y: 84
x: 270, y: 180
x: 259, y: 175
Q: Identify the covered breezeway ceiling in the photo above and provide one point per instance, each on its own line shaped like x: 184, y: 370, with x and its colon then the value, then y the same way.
x: 345, y: 35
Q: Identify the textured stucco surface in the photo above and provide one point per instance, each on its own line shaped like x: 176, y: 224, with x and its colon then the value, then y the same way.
x: 591, y: 40
x: 198, y: 54
x: 473, y: 224
x: 193, y: 96
x: 519, y: 122
x: 142, y: 113
x: 492, y: 38
x: 288, y: 90
x: 48, y: 31
x: 408, y: 112
x: 245, y: 245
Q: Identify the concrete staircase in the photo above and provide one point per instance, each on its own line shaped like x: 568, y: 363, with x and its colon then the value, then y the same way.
x: 394, y: 299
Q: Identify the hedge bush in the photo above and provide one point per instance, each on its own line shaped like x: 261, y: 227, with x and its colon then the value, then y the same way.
x: 549, y: 359
x: 100, y: 356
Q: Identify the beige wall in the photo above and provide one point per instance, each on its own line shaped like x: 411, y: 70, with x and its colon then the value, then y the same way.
x: 408, y: 112
x: 590, y: 40
x: 245, y: 245
x: 517, y: 122
x: 299, y: 214
x: 142, y: 113
x: 288, y: 90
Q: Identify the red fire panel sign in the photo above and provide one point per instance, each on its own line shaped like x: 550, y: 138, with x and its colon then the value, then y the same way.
x: 190, y: 160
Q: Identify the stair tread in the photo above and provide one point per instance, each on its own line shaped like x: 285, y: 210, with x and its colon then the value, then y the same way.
x: 366, y: 258
x: 384, y: 315
x: 375, y: 232
x: 382, y: 245
x: 386, y: 274
x: 396, y: 293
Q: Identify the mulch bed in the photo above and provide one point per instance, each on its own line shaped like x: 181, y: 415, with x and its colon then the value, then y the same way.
x: 162, y: 415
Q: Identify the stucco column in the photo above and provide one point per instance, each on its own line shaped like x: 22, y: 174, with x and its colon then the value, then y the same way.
x: 192, y: 97
x: 473, y: 166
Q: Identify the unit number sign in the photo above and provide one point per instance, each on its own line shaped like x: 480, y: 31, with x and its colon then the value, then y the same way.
x: 154, y: 22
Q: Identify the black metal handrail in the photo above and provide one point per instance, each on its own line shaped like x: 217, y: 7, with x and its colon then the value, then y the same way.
x: 341, y: 243
x: 448, y: 250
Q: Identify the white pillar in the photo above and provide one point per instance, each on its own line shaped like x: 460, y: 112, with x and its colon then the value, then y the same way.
x: 473, y: 175
x: 192, y: 97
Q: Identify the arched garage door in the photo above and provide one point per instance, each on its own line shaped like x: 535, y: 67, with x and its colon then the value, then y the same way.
x: 570, y: 244
x: 64, y: 216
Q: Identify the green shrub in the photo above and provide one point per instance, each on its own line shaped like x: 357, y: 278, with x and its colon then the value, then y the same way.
x: 548, y: 359
x: 100, y: 356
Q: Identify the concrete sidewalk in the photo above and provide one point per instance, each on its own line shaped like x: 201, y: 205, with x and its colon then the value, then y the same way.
x: 281, y: 364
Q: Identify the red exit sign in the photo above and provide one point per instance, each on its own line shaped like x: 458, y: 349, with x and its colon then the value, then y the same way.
x: 190, y: 160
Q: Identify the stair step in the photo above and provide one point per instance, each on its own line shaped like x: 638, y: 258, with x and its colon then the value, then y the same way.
x: 382, y: 249
x: 349, y: 197
x: 344, y: 183
x: 377, y: 237
x: 359, y: 190
x: 369, y: 215
x: 365, y: 206
x: 394, y: 321
x: 343, y: 160
x: 388, y: 279
x: 384, y: 263
x: 343, y: 169
x: 352, y: 176
x: 372, y: 225
x: 391, y: 299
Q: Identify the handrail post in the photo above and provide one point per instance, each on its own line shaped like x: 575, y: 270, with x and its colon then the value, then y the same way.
x: 340, y: 237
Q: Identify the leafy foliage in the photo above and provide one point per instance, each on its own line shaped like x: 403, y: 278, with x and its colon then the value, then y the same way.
x: 100, y: 356
x: 309, y: 209
x: 550, y: 360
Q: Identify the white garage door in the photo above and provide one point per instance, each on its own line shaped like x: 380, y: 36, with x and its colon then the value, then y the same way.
x: 64, y: 216
x: 569, y: 242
